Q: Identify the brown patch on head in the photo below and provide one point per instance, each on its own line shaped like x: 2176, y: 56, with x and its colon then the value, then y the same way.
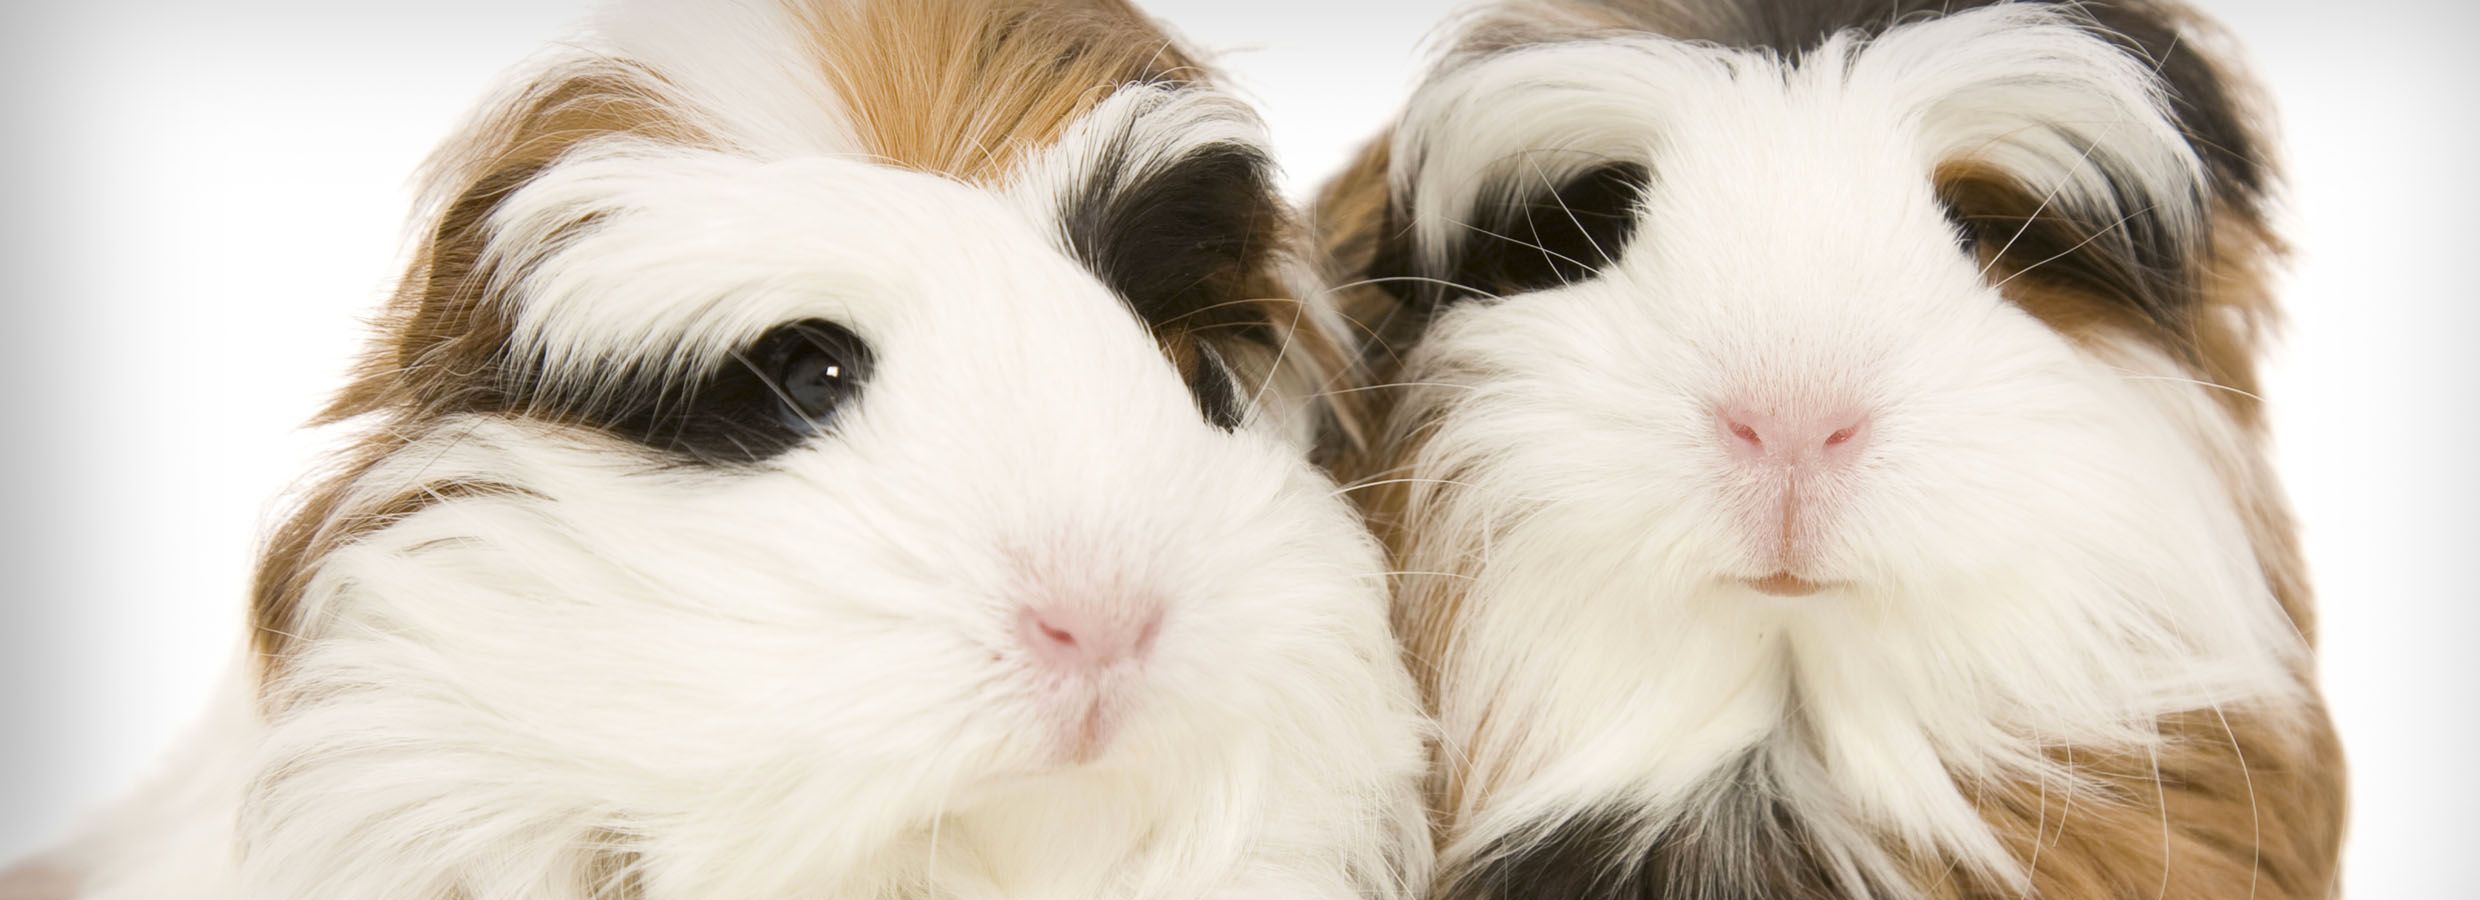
x: 444, y: 337
x: 447, y: 325
x: 967, y: 87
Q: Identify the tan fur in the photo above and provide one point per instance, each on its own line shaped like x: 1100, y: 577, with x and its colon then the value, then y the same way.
x: 965, y: 89
x: 2247, y: 806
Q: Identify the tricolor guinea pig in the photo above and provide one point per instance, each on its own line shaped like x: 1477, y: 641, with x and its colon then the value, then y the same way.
x: 1822, y: 458
x: 824, y: 449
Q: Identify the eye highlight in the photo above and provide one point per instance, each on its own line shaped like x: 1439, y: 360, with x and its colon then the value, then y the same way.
x: 789, y: 385
x: 814, y: 367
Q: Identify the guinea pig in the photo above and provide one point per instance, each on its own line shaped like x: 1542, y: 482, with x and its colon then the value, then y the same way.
x: 824, y: 449
x: 1821, y: 455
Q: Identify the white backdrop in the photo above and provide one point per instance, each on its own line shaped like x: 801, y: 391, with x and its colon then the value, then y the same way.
x: 201, y: 201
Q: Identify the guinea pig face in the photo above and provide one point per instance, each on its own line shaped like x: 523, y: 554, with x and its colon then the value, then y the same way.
x: 1851, y: 401
x: 766, y: 520
x: 928, y: 474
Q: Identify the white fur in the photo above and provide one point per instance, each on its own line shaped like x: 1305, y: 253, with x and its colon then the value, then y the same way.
x: 800, y: 679
x: 2043, y: 547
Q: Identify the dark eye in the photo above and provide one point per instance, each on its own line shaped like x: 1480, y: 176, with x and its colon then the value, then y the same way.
x: 814, y: 368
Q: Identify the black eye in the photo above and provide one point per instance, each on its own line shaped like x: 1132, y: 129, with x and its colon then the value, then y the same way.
x: 813, y: 368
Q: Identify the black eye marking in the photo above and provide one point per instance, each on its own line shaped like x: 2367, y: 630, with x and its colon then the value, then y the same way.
x: 760, y: 400
x: 2115, y: 247
x: 1218, y: 396
x: 1539, y: 239
x: 1189, y: 245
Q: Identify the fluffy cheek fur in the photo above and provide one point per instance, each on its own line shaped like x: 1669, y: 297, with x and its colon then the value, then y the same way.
x: 765, y: 684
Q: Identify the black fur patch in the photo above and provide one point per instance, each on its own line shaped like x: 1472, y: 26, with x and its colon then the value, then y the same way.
x: 1185, y: 245
x: 1741, y: 843
x: 741, y: 411
x: 1543, y: 238
x: 457, y: 356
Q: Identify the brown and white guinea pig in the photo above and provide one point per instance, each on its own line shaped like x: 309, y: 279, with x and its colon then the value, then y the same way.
x: 837, y: 449
x: 1821, y: 460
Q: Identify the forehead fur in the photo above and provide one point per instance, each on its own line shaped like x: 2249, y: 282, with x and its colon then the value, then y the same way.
x: 2102, y: 161
x: 967, y: 89
x: 2211, y: 104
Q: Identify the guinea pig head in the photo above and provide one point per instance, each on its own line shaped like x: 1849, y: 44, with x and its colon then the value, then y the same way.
x: 1849, y: 410
x: 815, y: 432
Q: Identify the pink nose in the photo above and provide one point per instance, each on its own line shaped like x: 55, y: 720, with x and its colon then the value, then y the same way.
x: 1077, y: 639
x: 1813, y: 439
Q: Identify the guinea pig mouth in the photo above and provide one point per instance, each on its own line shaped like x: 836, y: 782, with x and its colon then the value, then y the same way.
x: 1785, y: 584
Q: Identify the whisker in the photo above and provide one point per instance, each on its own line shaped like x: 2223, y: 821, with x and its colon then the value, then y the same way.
x: 1399, y: 384
x: 1417, y: 279
x: 1571, y: 214
x: 1545, y: 251
x: 2086, y: 242
x: 1276, y: 370
x: 1391, y: 481
x: 1455, y: 575
x: 2132, y: 376
x: 2162, y: 793
x: 2256, y: 823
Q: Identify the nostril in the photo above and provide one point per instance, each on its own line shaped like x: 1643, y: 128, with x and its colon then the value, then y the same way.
x: 1798, y: 437
x: 1053, y: 633
x: 1079, y: 638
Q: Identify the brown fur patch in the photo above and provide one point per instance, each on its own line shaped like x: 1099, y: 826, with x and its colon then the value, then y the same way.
x: 967, y: 88
x: 2248, y: 806
x: 442, y: 337
x: 1355, y: 218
